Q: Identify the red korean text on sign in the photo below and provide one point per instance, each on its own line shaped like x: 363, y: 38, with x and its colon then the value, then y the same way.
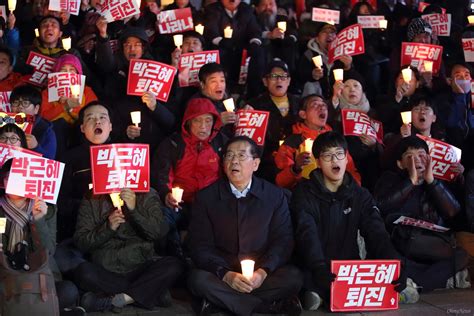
x: 5, y: 105
x: 349, y: 41
x: 415, y: 53
x: 118, y: 166
x: 175, y: 21
x: 71, y: 6
x: 356, y: 123
x: 190, y: 64
x: 252, y: 124
x: 150, y: 76
x: 443, y: 156
x: 468, y: 48
x: 34, y: 177
x: 115, y: 10
x: 440, y: 23
x: 363, y: 285
x: 8, y: 152
x: 42, y: 66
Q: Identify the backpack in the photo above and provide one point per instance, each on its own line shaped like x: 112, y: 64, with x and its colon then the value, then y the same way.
x: 31, y: 292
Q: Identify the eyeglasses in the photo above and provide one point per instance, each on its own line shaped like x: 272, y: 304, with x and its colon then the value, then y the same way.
x: 425, y: 109
x: 328, y: 156
x: 9, y: 139
x: 136, y: 45
x: 275, y: 77
x: 229, y: 156
x: 317, y: 106
x: 24, y: 104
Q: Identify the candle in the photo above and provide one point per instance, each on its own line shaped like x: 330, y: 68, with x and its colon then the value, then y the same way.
x: 3, y: 224
x: 116, y: 200
x: 136, y: 117
x: 11, y: 5
x: 228, y: 32
x: 37, y: 33
x: 282, y: 26
x: 281, y: 142
x: 406, y: 117
x: 66, y: 43
x: 428, y: 65
x: 91, y: 186
x: 338, y: 74
x: 229, y: 105
x: 177, y: 194
x: 247, y: 268
x: 318, y: 61
x: 471, y: 19
x: 178, y: 40
x: 308, y: 145
x: 199, y: 28
x: 331, y: 22
x: 75, y: 90
x: 406, y: 73
x: 383, y: 24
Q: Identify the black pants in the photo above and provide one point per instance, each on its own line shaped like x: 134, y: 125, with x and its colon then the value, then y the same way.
x: 280, y: 284
x: 144, y: 285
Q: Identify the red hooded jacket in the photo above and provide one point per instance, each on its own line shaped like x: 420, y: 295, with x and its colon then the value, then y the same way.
x: 184, y: 161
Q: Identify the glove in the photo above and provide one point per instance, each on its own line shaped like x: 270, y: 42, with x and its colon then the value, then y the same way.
x: 323, y: 277
x: 401, y: 282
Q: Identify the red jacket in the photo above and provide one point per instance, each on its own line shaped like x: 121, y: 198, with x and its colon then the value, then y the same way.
x: 286, y: 155
x: 182, y: 160
x: 13, y: 80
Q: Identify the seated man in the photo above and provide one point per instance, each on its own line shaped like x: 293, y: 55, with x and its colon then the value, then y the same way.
x: 189, y: 160
x: 412, y: 191
x: 243, y: 217
x: 283, y: 108
x: 96, y: 126
x: 295, y: 164
x: 329, y: 211
x: 124, y: 267
x: 27, y: 99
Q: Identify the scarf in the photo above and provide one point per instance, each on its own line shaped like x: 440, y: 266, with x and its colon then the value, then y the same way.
x: 363, y: 105
x: 18, y: 219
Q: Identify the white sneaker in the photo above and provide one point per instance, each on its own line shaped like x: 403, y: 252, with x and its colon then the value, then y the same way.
x: 410, y: 294
x: 462, y: 280
x: 311, y: 301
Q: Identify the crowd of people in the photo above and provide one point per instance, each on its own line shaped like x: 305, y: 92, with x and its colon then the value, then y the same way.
x: 290, y: 208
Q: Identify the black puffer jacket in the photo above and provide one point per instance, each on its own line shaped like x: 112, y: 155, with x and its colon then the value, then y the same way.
x: 327, y: 223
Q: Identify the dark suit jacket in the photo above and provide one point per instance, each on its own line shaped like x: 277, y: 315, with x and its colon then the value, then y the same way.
x: 225, y: 230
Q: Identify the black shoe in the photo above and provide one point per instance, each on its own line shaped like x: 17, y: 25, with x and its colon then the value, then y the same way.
x: 165, y: 300
x: 290, y: 306
x: 94, y: 303
x: 207, y: 308
x: 73, y: 311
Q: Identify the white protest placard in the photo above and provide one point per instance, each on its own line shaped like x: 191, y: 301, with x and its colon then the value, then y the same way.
x: 468, y: 48
x: 33, y: 177
x: 370, y: 21
x: 8, y: 152
x: 71, y: 6
x: 5, y: 105
x: 440, y: 23
x: 60, y: 84
x: 3, y: 12
x: 326, y: 15
x: 116, y: 10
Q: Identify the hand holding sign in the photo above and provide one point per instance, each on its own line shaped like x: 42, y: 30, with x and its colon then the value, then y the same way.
x: 39, y: 209
x: 129, y: 197
x: 149, y: 99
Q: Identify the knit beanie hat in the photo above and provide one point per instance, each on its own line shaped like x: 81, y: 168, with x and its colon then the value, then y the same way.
x: 68, y: 59
x: 418, y: 26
